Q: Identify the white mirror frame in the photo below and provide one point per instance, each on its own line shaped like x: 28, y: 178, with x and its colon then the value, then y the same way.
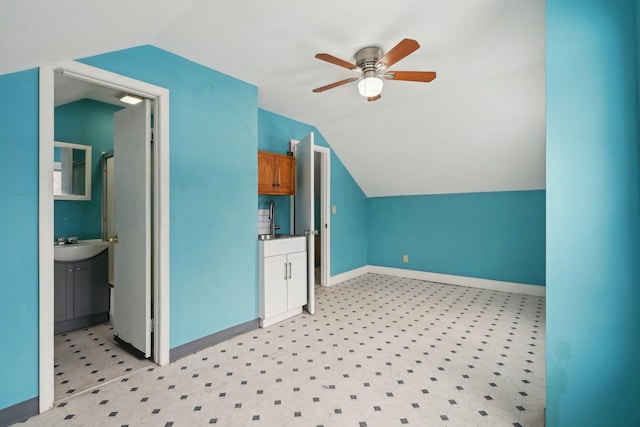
x: 87, y: 172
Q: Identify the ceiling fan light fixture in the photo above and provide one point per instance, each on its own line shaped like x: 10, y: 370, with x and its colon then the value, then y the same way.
x: 130, y: 99
x: 370, y: 86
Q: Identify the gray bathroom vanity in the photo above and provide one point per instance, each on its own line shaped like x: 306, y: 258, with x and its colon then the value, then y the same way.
x: 81, y: 292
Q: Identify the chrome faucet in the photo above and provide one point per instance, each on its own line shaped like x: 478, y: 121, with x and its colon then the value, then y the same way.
x: 272, y: 218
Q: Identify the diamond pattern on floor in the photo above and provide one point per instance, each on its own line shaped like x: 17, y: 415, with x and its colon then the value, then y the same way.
x: 380, y: 351
x: 88, y: 357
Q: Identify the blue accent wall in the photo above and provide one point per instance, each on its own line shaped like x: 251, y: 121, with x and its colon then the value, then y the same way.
x: 19, y: 231
x: 593, y: 213
x: 213, y: 132
x: 84, y: 122
x: 498, y: 235
x: 349, y: 224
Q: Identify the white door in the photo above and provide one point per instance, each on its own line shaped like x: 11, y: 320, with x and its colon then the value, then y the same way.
x: 304, y: 221
x: 132, y: 226
x: 275, y: 279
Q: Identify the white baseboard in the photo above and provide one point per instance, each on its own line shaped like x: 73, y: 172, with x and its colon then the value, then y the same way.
x: 472, y: 282
x: 339, y: 278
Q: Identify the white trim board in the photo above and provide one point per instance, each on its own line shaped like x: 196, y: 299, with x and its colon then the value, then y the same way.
x: 351, y: 274
x: 471, y: 282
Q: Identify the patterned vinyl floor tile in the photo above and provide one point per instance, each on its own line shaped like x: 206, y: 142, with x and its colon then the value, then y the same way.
x: 380, y: 351
x: 89, y: 357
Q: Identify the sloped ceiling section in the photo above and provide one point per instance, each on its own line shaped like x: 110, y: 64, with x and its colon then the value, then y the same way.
x: 479, y: 126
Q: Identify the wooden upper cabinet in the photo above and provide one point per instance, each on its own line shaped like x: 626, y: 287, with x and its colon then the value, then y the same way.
x: 276, y: 174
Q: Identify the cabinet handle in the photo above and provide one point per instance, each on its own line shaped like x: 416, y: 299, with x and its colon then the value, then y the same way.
x: 77, y: 268
x: 285, y: 271
x: 289, y: 270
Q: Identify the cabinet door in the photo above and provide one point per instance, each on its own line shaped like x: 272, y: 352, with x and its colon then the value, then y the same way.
x: 91, y: 286
x: 297, y: 280
x: 82, y: 289
x: 285, y: 174
x: 63, y: 291
x: 275, y: 285
x: 266, y: 170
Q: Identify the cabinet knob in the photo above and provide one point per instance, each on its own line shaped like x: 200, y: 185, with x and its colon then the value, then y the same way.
x: 112, y: 239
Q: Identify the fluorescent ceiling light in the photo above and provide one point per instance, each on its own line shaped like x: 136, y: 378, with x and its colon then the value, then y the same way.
x: 130, y: 99
x: 370, y: 86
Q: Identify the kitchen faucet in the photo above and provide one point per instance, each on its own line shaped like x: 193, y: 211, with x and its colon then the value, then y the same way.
x: 272, y: 218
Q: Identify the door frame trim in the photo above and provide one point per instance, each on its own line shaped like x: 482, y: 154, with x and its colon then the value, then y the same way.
x: 325, y: 213
x: 160, y: 208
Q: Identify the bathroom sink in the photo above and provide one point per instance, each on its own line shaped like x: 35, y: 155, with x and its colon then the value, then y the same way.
x: 274, y: 236
x: 78, y: 251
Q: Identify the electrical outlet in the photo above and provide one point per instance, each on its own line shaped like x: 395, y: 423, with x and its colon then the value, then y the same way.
x: 333, y: 209
x: 405, y: 258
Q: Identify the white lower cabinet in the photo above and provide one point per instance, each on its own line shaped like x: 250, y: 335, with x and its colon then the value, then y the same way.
x: 282, y: 278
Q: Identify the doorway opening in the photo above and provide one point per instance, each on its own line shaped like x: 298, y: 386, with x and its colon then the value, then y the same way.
x: 158, y: 250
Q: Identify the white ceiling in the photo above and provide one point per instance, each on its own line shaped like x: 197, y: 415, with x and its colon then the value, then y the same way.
x: 479, y: 126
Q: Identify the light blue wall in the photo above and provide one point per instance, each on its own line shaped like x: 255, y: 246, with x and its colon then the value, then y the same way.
x: 593, y: 213
x: 19, y: 231
x: 348, y: 225
x: 84, y: 122
x: 498, y: 236
x: 214, y: 134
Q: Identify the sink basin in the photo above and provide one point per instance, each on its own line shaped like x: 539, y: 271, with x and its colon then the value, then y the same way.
x: 78, y: 251
x: 274, y: 236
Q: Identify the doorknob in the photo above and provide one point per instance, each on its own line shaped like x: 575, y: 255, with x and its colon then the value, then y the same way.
x: 112, y: 239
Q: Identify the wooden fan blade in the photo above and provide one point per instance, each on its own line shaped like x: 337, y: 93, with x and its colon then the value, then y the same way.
x: 374, y: 98
x: 336, y: 61
x: 336, y: 84
x: 412, y: 76
x: 399, y: 51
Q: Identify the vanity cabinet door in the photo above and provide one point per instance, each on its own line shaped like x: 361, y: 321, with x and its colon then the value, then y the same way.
x: 81, y: 293
x: 63, y: 291
x: 275, y: 285
x: 297, y: 280
x: 91, y: 294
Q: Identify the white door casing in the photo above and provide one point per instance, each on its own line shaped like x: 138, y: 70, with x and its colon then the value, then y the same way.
x: 304, y: 220
x: 325, y: 214
x: 45, y: 211
x: 132, y: 226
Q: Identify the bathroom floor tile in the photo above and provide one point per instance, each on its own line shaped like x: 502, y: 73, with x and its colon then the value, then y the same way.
x: 89, y: 357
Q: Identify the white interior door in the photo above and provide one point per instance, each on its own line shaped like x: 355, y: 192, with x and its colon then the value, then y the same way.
x: 304, y: 221
x: 132, y: 226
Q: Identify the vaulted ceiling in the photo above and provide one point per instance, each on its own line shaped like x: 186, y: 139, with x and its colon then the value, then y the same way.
x: 479, y: 126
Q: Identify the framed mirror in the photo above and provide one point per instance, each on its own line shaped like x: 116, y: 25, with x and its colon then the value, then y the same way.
x: 71, y: 171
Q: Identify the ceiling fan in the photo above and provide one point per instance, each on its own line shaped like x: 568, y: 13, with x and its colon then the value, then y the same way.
x: 372, y: 66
